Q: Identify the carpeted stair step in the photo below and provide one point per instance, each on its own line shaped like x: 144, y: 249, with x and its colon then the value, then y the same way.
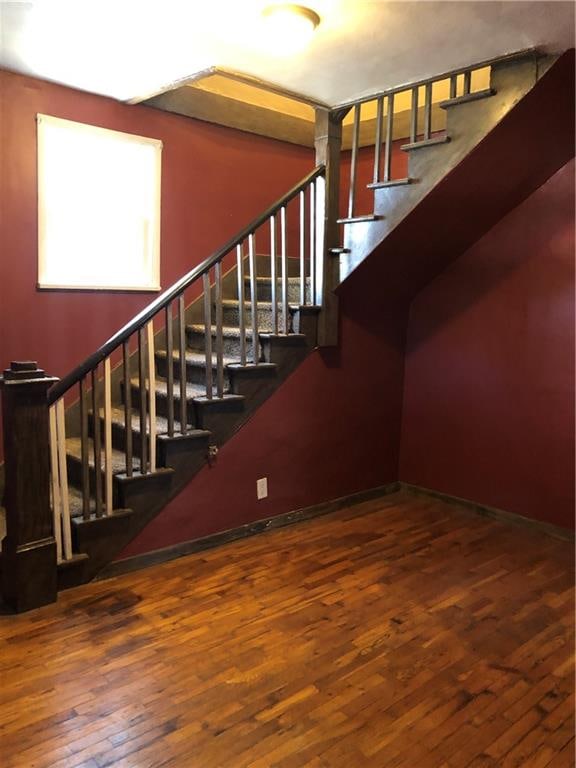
x: 264, y: 289
x: 74, y: 461
x: 194, y: 392
x: 195, y: 365
x: 230, y: 340
x: 231, y: 313
x: 119, y: 431
x: 76, y: 503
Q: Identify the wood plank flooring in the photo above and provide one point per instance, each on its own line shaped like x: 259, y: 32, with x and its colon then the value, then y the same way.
x: 400, y: 632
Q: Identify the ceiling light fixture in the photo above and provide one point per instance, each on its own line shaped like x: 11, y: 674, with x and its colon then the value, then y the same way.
x: 289, y: 27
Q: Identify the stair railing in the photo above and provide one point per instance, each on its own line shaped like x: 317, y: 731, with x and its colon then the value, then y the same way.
x: 414, y: 111
x: 93, y: 376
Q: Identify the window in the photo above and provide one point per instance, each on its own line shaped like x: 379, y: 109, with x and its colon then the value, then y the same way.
x: 98, y: 208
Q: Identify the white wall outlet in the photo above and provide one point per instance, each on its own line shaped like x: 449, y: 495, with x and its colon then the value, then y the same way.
x: 262, y: 488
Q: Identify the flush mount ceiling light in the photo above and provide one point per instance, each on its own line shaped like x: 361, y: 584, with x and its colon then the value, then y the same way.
x: 289, y: 27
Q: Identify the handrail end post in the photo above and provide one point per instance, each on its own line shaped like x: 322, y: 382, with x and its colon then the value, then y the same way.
x: 328, y: 144
x: 29, y: 560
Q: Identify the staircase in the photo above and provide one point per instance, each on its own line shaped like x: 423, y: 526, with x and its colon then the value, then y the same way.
x: 146, y: 412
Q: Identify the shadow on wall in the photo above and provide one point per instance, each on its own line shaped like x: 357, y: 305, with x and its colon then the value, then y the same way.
x: 540, y: 229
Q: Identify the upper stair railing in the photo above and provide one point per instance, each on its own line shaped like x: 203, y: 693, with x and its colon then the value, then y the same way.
x: 94, y: 380
x: 414, y: 112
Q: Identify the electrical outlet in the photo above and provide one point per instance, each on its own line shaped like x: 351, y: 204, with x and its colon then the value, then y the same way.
x: 262, y: 488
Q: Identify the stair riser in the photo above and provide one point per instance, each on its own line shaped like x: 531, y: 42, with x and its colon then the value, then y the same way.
x: 264, y: 291
x: 195, y: 374
x: 263, y: 314
x: 231, y: 345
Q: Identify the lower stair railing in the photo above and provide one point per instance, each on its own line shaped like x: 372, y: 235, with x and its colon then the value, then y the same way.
x: 123, y: 404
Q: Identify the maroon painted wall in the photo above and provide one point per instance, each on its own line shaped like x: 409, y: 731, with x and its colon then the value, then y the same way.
x: 332, y: 428
x: 214, y: 181
x: 489, y: 380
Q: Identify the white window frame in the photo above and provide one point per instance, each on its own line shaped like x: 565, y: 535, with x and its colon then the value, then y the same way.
x: 150, y: 258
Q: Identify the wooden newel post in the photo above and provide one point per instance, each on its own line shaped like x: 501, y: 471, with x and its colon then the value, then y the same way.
x: 28, y: 549
x: 328, y: 143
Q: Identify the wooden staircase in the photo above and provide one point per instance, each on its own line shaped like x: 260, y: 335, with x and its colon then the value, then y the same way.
x: 154, y: 403
x: 209, y: 422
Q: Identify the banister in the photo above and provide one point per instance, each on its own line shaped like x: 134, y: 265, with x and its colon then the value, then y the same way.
x: 535, y: 51
x: 175, y: 290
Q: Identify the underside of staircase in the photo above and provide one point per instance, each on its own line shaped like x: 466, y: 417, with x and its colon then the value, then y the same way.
x: 460, y: 182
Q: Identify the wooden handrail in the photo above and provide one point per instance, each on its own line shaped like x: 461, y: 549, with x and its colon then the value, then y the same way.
x: 140, y: 320
x: 535, y: 51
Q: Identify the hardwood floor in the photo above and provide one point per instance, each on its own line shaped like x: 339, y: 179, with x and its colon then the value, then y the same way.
x: 400, y: 632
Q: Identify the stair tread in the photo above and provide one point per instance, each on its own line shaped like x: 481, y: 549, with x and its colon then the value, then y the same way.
x: 268, y: 279
x: 118, y: 458
x: 228, y: 331
x: 259, y: 304
x: 233, y: 332
x: 76, y: 503
x: 421, y: 144
x: 465, y: 98
x: 192, y: 390
x: 117, y: 416
x: 198, y: 358
x: 368, y: 217
x: 393, y: 183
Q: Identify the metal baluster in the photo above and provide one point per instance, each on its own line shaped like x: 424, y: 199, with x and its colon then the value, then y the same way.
x: 453, y: 86
x: 302, y: 249
x: 169, y: 370
x: 142, y: 389
x: 378, y: 141
x: 84, y: 450
x: 182, y: 362
x: 219, y: 338
x: 467, y: 82
x: 127, y: 409
x: 273, y: 274
x: 241, y: 303
x: 55, y: 482
x: 313, y: 242
x: 152, y: 390
x: 63, y: 470
x: 208, y: 333
x: 428, y: 111
x: 108, y: 437
x: 97, y: 445
x: 389, y: 135
x: 414, y: 116
x: 284, y: 257
x: 354, y: 161
x: 253, y: 300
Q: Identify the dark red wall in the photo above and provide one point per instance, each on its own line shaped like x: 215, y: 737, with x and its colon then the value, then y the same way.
x: 214, y: 181
x: 332, y: 428
x: 489, y: 381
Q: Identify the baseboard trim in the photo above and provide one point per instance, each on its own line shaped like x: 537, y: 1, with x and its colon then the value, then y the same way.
x: 158, y: 556
x: 497, y: 514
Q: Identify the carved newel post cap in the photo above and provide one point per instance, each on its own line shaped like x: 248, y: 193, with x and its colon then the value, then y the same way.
x: 23, y: 369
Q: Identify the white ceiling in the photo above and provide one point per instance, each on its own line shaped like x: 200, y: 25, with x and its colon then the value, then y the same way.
x: 132, y: 48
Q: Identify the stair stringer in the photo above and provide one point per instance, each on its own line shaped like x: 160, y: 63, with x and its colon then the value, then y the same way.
x: 467, y: 125
x: 525, y: 148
